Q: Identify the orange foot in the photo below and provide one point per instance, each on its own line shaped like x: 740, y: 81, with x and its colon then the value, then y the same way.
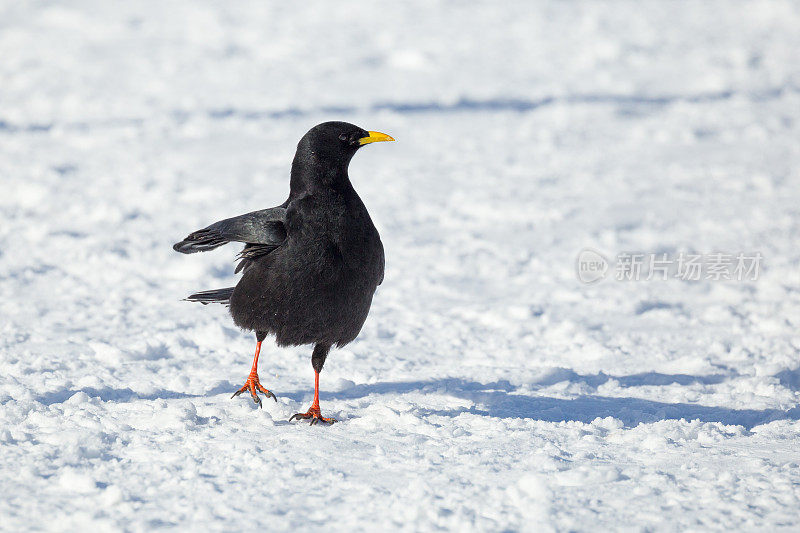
x: 252, y: 384
x: 314, y: 414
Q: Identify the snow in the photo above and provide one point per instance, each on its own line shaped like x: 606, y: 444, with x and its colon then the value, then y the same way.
x: 489, y: 389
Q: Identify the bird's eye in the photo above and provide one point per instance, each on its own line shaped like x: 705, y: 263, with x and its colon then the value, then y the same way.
x: 343, y: 137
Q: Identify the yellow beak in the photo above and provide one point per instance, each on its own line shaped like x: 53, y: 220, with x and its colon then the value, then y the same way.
x: 374, y: 137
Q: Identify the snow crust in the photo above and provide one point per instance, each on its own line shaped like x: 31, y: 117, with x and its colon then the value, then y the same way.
x: 489, y: 390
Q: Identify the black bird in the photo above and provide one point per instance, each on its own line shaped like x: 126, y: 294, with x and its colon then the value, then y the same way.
x: 309, y: 266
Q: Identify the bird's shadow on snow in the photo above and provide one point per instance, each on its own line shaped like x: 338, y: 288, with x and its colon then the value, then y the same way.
x: 503, y: 400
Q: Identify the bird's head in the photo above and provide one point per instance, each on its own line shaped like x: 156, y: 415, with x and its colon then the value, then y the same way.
x: 331, y: 145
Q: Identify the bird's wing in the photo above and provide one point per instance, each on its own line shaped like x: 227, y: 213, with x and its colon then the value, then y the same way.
x: 263, y: 230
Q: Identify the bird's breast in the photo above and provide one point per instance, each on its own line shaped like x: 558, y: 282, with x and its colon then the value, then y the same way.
x: 335, y: 239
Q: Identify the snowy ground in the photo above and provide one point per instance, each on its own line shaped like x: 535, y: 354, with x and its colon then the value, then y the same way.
x: 489, y: 389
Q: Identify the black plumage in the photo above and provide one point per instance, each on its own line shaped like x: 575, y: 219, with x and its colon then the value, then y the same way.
x: 309, y: 266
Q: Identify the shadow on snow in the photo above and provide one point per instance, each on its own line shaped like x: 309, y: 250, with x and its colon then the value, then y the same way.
x: 108, y: 394
x: 501, y: 400
x: 463, y: 105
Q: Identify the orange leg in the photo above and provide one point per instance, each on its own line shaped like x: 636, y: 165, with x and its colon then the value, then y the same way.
x: 252, y: 384
x: 314, y: 412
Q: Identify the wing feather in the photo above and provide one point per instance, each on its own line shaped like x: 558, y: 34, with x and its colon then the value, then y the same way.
x: 266, y: 229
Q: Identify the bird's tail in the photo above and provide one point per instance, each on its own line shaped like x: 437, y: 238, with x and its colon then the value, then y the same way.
x: 219, y: 296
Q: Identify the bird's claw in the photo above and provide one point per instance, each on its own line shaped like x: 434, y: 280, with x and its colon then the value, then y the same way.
x: 314, y: 414
x: 254, y: 386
